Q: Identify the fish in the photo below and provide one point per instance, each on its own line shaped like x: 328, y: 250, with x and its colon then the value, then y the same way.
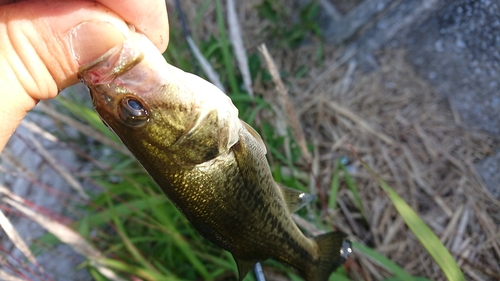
x: 209, y: 163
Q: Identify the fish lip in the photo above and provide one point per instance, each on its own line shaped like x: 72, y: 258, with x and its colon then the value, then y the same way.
x: 102, y: 76
x: 112, y: 64
x: 104, y: 103
x: 85, y: 71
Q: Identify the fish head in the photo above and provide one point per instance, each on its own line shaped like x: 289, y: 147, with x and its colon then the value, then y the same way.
x: 153, y: 106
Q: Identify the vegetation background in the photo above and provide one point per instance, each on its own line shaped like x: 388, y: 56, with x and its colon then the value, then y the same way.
x: 418, y: 211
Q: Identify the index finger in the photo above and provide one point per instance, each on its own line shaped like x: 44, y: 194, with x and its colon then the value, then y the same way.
x: 147, y: 16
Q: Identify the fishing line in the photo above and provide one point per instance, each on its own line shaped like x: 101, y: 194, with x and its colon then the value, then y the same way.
x: 259, y: 273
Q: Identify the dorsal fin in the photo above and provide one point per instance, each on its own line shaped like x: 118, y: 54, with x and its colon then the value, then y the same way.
x: 294, y: 199
x: 256, y: 136
x: 244, y: 266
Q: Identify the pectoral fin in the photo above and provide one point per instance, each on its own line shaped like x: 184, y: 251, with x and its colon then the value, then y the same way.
x: 244, y: 266
x: 294, y: 199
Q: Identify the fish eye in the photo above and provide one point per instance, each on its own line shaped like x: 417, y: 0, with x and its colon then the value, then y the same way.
x: 133, y: 111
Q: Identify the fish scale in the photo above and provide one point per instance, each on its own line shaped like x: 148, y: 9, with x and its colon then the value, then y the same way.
x: 187, y: 135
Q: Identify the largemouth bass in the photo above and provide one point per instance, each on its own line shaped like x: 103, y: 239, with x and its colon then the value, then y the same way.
x: 187, y: 135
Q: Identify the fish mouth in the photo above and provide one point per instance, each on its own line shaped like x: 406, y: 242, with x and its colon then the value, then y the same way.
x: 99, y: 76
x: 102, y: 100
x: 104, y: 103
x: 115, y: 62
x: 113, y: 77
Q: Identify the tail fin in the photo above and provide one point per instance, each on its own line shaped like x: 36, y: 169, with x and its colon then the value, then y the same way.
x: 333, y: 250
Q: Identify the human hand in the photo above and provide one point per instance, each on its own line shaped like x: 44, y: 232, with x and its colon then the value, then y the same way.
x: 42, y: 44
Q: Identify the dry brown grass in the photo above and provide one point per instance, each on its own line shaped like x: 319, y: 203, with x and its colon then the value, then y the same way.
x: 409, y: 136
x: 406, y: 132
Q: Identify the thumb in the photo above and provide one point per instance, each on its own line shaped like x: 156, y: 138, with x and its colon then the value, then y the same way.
x: 42, y: 45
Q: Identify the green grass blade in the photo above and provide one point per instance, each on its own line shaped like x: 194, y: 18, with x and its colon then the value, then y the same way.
x: 334, y: 190
x: 137, y: 271
x: 201, y: 12
x: 126, y: 240
x: 354, y: 190
x: 383, y: 261
x: 125, y: 210
x: 423, y: 233
x: 338, y: 277
x: 226, y: 50
x: 181, y: 243
x: 416, y: 278
x: 96, y: 275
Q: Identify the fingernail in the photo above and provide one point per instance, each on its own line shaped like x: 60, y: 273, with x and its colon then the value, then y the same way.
x: 90, y: 40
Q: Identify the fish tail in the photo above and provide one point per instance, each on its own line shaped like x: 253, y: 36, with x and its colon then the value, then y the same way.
x: 333, y: 250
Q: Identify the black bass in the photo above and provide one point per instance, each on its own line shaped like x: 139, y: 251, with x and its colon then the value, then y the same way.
x: 212, y: 165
